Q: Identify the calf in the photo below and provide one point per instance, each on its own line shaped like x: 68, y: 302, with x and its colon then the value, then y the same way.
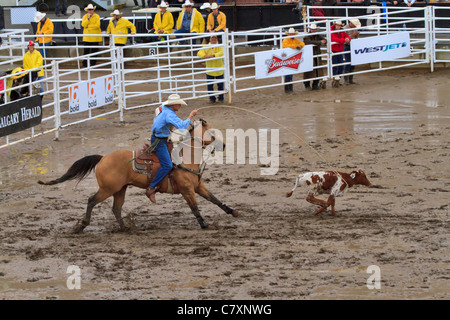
x: 328, y: 182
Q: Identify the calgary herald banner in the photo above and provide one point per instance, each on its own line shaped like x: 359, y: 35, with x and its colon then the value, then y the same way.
x: 91, y: 94
x: 381, y: 48
x: 281, y: 62
x: 20, y: 115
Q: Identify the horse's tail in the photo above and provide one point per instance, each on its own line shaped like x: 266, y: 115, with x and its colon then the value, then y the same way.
x: 293, y: 189
x: 79, y: 170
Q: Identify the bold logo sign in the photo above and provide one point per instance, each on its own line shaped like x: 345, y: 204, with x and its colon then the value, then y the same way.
x: 275, y: 63
x: 91, y: 94
x: 20, y: 115
x: 382, y: 48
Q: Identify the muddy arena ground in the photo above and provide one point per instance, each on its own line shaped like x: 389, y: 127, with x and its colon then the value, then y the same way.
x: 394, y: 125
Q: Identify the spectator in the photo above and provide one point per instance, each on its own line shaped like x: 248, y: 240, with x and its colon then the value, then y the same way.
x: 64, y: 8
x: 150, y: 3
x: 348, y: 68
x: 329, y: 12
x: 339, y: 38
x: 217, y: 21
x: 409, y: 3
x: 316, y: 40
x: 44, y: 29
x: 91, y: 25
x: 205, y: 11
x: 33, y: 59
x: 212, y: 54
x: 317, y: 10
x: 163, y: 20
x: 120, y: 26
x: 190, y: 20
x: 292, y: 43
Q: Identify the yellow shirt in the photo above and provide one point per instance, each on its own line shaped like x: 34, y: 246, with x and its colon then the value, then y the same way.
x: 212, y: 63
x: 221, y: 19
x: 197, y: 21
x: 91, y: 26
x: 121, y: 28
x: 33, y: 60
x: 46, y: 28
x: 165, y: 24
x: 292, y: 43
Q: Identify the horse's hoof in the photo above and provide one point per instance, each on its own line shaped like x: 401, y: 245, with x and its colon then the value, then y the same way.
x: 235, y: 213
x: 77, y: 229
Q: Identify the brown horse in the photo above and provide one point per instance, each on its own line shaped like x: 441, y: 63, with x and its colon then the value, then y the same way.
x: 114, y: 174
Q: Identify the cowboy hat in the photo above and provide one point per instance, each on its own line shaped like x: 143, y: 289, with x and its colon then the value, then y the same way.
x: 187, y: 4
x: 90, y: 7
x: 338, y: 22
x: 163, y: 5
x: 313, y: 26
x: 291, y: 31
x: 356, y: 23
x: 174, y: 99
x: 205, y: 5
x: 214, y: 6
x: 38, y: 16
x: 116, y: 13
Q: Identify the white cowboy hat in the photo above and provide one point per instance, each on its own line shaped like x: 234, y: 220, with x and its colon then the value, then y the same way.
x: 174, y: 99
x: 291, y: 31
x: 205, y: 5
x: 214, y: 6
x: 90, y: 7
x: 163, y: 5
x: 38, y: 16
x: 313, y: 26
x: 116, y: 12
x: 187, y: 3
x: 338, y: 22
x: 356, y: 23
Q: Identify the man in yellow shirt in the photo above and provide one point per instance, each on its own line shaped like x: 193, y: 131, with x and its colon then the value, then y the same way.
x: 212, y: 54
x: 163, y: 21
x: 91, y: 25
x: 190, y: 20
x: 33, y: 59
x: 217, y: 20
x: 292, y: 43
x: 44, y: 29
x: 120, y: 26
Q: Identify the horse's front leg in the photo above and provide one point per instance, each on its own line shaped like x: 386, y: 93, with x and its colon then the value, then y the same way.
x: 189, y: 196
x: 205, y: 193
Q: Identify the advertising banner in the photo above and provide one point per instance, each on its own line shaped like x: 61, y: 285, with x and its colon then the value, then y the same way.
x: 380, y: 48
x: 281, y: 62
x: 91, y: 94
x: 20, y: 115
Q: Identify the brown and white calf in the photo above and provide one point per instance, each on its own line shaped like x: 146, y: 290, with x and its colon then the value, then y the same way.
x: 328, y: 182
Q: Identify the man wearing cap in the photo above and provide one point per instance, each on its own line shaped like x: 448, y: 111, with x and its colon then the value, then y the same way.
x: 292, y: 43
x: 163, y: 20
x: 120, y: 26
x: 91, y: 25
x: 44, y: 28
x: 33, y: 59
x: 217, y: 20
x: 316, y: 40
x: 190, y: 20
x: 352, y: 24
x: 214, y: 56
x: 160, y: 133
x: 340, y: 38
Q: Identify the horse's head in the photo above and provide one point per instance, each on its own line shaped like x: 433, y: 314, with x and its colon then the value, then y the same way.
x: 208, y: 134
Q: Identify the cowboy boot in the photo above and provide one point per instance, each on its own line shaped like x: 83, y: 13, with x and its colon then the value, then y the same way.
x: 291, y: 88
x: 315, y: 85
x: 286, y: 88
x: 151, y: 194
x: 351, y: 80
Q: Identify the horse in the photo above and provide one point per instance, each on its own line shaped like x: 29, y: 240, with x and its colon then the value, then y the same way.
x: 114, y: 173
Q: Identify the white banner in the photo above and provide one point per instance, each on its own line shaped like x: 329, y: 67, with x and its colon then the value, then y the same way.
x: 281, y: 62
x: 91, y: 94
x: 380, y: 48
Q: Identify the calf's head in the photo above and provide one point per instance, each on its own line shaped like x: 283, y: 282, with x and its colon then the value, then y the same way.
x: 359, y: 177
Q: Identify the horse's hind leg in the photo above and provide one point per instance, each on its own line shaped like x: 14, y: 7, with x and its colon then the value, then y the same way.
x: 119, y: 199
x: 98, y: 197
x: 205, y: 193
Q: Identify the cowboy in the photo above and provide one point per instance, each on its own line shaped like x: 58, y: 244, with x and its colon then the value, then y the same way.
x: 217, y: 20
x: 292, y: 43
x: 163, y: 20
x: 120, y: 26
x: 91, y: 25
x: 44, y: 28
x: 160, y: 133
x: 214, y: 56
x: 206, y: 10
x: 190, y: 20
x: 316, y: 40
x: 33, y: 59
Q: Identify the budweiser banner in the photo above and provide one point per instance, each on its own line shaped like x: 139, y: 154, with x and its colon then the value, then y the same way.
x: 281, y: 62
x: 381, y: 48
x: 91, y: 94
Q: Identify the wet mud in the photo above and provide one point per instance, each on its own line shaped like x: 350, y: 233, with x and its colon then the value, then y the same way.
x: 393, y: 125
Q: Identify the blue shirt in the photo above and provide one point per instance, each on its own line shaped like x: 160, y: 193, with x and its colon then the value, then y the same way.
x: 186, y: 23
x: 166, y: 119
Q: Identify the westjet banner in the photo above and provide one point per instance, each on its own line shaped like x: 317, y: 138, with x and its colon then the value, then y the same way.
x: 91, y: 94
x: 281, y: 62
x: 380, y: 48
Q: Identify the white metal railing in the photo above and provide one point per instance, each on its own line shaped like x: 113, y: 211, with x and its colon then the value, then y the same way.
x: 440, y: 36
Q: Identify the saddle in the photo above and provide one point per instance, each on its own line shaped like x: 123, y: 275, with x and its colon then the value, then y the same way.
x: 145, y: 161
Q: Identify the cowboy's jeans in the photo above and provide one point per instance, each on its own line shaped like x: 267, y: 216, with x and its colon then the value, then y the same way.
x: 164, y: 158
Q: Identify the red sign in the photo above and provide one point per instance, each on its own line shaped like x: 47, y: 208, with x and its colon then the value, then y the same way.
x: 292, y: 62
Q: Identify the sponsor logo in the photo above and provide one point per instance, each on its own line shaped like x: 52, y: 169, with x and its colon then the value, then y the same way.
x: 382, y: 48
x: 292, y: 62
